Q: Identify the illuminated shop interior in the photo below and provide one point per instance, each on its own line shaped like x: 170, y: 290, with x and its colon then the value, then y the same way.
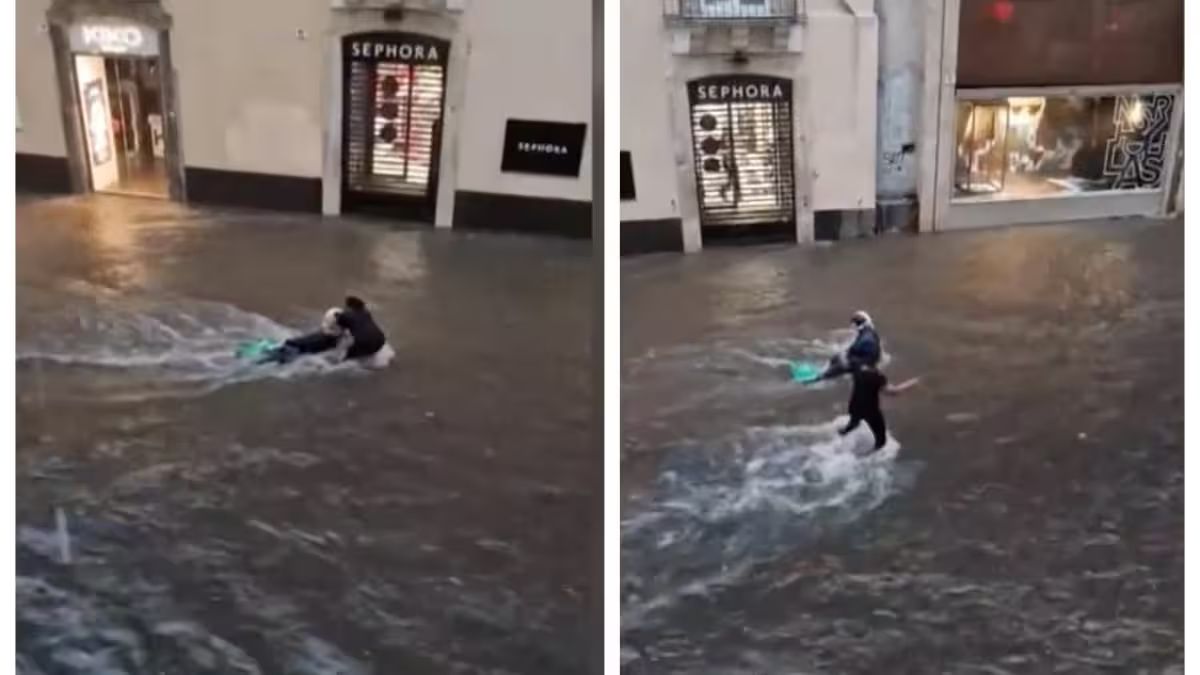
x: 121, y: 103
x: 1030, y: 146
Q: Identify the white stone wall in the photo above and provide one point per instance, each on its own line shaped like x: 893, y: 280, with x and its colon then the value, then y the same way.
x: 529, y: 59
x: 835, y: 76
x: 901, y: 66
x: 41, y: 127
x: 253, y: 84
x: 841, y: 59
x: 250, y: 84
x: 646, y: 128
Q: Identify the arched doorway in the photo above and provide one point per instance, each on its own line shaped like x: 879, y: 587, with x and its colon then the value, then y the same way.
x: 393, y: 98
x: 743, y: 152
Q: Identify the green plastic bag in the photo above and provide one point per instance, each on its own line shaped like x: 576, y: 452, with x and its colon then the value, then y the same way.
x: 806, y: 371
x: 255, y: 349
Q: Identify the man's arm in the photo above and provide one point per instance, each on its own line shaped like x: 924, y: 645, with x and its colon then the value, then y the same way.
x: 894, y: 389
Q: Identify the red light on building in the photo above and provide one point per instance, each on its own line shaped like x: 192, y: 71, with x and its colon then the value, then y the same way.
x: 1002, y: 10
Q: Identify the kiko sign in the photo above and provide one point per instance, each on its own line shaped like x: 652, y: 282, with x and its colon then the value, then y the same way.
x: 104, y: 38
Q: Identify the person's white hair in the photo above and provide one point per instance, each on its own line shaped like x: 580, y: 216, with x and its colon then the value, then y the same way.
x: 861, y: 319
x: 329, y: 324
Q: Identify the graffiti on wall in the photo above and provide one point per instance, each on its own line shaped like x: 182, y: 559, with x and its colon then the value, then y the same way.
x: 1136, y: 154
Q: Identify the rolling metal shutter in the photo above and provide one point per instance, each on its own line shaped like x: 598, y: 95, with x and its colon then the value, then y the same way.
x: 393, y: 123
x: 743, y: 151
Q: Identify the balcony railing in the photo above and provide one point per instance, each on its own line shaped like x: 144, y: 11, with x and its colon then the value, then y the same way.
x: 733, y: 10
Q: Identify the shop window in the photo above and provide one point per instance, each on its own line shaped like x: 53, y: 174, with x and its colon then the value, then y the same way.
x: 1029, y: 147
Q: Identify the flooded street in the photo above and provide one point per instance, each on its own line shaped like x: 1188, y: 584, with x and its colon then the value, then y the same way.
x: 181, y: 512
x: 1026, y: 515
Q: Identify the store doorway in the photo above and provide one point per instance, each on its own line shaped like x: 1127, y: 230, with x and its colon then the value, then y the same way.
x: 742, y: 145
x: 121, y: 105
x: 394, y: 94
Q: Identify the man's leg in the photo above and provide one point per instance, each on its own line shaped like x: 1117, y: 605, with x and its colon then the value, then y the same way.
x: 281, y: 355
x: 878, y: 427
x: 360, y: 350
x: 854, y: 422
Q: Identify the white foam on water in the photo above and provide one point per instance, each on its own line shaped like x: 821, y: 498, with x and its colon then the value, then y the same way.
x: 718, y: 511
x: 76, y: 630
x: 761, y: 366
x: 80, y: 633
x: 171, y: 347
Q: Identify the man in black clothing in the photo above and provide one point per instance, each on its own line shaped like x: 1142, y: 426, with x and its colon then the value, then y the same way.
x: 368, y: 338
x: 323, y: 340
x: 864, y: 406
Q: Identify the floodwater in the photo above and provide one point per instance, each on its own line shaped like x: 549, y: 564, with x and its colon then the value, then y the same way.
x: 180, y: 512
x: 1026, y: 515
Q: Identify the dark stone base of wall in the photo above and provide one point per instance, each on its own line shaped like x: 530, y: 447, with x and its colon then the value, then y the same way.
x: 219, y: 187
x: 844, y: 224
x: 651, y: 236
x: 42, y: 174
x: 900, y: 215
x: 517, y: 213
x: 759, y: 234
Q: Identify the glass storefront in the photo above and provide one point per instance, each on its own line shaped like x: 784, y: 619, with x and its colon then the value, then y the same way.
x: 119, y: 78
x: 1024, y: 147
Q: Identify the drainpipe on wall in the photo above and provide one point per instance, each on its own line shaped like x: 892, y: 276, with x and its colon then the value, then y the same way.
x: 900, y: 89
x: 1175, y: 191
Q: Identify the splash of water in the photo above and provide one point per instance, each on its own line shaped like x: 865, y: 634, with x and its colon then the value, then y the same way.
x: 719, y: 510
x: 132, y: 348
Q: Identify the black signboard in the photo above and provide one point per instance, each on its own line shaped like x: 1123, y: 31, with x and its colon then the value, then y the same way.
x: 397, y: 48
x: 553, y: 148
x: 628, y: 193
x: 739, y: 89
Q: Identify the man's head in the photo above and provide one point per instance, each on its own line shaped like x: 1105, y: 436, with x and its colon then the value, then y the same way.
x: 355, y: 303
x: 329, y: 324
x: 861, y: 320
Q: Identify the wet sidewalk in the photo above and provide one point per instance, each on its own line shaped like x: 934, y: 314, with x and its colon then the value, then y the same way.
x: 1027, y: 515
x: 177, y: 512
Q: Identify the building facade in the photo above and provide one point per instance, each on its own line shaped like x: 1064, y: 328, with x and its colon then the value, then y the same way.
x: 746, y: 118
x: 826, y: 119
x: 455, y: 113
x: 1036, y: 111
